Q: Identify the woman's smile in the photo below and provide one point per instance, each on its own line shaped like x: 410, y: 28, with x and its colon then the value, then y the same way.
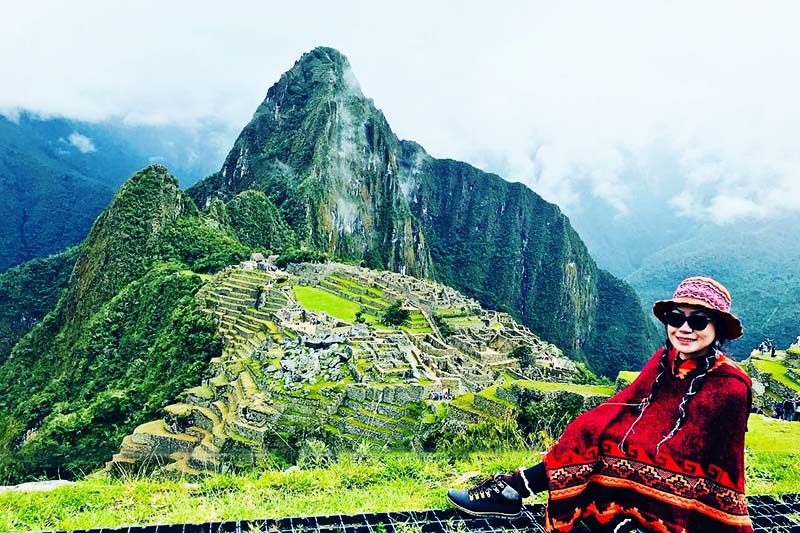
x: 691, y: 342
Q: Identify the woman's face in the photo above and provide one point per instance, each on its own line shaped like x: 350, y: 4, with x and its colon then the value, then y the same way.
x: 688, y: 341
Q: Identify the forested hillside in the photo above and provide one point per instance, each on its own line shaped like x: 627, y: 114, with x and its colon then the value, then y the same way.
x: 57, y: 175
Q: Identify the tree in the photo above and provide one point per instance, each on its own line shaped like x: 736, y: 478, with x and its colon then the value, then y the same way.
x: 395, y: 315
x: 524, y: 355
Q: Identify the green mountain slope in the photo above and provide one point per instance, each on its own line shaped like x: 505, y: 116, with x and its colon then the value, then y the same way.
x: 755, y: 261
x: 344, y: 183
x: 28, y: 292
x: 57, y: 174
x: 125, y: 336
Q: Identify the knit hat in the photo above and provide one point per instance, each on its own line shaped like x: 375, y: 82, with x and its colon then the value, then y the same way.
x: 705, y: 292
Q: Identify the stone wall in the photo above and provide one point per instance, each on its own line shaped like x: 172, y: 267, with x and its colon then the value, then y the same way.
x: 496, y: 409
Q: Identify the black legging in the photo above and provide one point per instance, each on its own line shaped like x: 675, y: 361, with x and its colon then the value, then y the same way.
x: 537, y: 478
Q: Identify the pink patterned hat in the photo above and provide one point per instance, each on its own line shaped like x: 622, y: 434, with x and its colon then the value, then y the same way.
x: 704, y: 292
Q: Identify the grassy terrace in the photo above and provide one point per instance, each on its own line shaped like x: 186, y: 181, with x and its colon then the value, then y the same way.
x: 316, y: 299
x: 491, y: 394
x: 548, y: 386
x: 417, y: 323
x: 628, y: 375
x: 777, y: 370
x: 353, y: 484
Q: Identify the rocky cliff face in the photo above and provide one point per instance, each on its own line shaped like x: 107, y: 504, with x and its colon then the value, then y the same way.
x: 328, y: 160
x: 504, y: 245
x: 325, y: 156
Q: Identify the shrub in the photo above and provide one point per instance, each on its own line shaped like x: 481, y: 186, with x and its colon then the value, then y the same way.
x: 395, y: 315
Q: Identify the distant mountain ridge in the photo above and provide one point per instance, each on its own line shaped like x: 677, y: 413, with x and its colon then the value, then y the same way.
x: 57, y: 174
x: 653, y: 246
x: 342, y: 181
x: 758, y: 263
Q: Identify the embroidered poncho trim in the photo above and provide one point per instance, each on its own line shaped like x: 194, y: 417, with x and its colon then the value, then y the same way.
x: 696, y: 481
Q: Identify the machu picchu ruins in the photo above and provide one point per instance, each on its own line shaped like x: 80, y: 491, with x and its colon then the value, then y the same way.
x: 305, y: 354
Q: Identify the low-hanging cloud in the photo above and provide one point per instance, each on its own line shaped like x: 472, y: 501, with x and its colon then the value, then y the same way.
x: 81, y: 142
x: 580, y: 100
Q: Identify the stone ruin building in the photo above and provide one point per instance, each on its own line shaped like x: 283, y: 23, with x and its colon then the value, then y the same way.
x: 288, y: 370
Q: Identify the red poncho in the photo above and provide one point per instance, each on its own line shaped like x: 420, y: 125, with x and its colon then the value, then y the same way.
x: 696, y: 481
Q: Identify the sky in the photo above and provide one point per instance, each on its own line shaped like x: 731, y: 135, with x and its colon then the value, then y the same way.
x: 579, y: 100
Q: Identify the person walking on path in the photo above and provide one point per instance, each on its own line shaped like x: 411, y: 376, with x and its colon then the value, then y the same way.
x: 665, y: 454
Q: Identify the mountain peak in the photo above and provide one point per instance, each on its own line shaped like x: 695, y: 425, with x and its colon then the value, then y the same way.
x: 323, y: 55
x: 323, y: 70
x: 119, y: 246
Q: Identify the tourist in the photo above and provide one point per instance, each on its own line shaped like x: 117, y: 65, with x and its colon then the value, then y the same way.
x: 778, y: 413
x: 664, y: 454
x: 788, y: 409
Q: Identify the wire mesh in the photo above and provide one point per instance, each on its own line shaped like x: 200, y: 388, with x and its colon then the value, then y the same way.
x: 773, y: 514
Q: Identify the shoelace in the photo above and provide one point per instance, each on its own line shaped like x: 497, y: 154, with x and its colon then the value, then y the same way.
x: 484, y: 490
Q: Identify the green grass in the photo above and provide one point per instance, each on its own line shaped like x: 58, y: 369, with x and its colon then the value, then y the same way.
x: 549, y: 386
x: 628, y: 375
x: 491, y: 394
x: 347, y: 281
x: 388, y: 481
x: 773, y: 457
x: 465, y: 401
x: 464, y: 322
x: 778, y: 371
x: 372, y: 296
x: 417, y: 323
x: 421, y: 329
x: 316, y: 299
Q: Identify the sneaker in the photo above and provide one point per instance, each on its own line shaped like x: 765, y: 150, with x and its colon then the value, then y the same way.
x: 492, y: 497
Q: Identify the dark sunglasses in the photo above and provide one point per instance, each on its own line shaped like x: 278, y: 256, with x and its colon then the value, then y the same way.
x: 697, y: 322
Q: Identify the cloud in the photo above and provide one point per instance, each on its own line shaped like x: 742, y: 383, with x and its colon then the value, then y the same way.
x: 11, y: 113
x: 83, y: 143
x: 579, y: 100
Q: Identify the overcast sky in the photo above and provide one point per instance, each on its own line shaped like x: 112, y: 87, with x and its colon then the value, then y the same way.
x: 567, y: 97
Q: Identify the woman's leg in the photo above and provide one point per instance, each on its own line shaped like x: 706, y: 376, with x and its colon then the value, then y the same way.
x: 528, y: 481
x: 500, y: 495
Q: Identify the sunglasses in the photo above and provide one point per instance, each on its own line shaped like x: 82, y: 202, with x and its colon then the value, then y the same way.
x: 697, y: 322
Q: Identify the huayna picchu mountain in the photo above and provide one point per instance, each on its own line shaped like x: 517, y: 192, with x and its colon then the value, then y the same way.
x: 346, y: 185
x: 317, y: 172
x: 328, y: 160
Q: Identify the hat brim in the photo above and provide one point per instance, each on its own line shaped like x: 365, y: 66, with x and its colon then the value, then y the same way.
x: 732, y: 325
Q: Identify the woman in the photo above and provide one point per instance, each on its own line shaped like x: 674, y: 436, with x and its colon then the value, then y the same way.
x: 666, y: 453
